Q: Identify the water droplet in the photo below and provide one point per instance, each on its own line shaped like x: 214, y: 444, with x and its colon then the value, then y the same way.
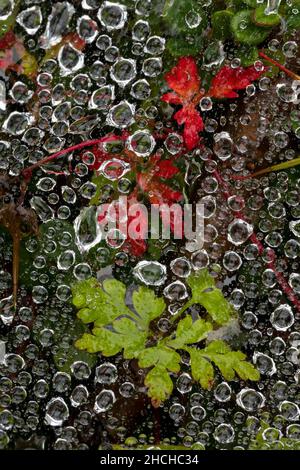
x: 30, y: 19
x: 66, y: 260
x: 193, y: 19
x: 70, y: 59
x: 224, y: 433
x: 112, y: 16
x: 42, y: 209
x: 102, y: 98
x: 151, y: 273
x: 104, y: 401
x: 121, y: 115
x: 123, y: 71
x: 87, y: 229
x: 142, y: 143
x: 56, y: 412
x: 250, y: 400
x: 17, y: 123
x: 87, y: 28
x: 239, y: 231
x: 223, y: 146
x: 57, y: 24
x: 106, y: 374
x: 282, y: 318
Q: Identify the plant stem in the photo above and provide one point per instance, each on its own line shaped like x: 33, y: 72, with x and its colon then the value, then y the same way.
x: 279, y: 167
x: 280, y: 66
x: 88, y: 143
x: 181, y: 311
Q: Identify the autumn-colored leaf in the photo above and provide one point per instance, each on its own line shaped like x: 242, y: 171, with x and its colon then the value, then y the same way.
x: 134, y: 224
x: 193, y: 124
x: 228, y: 80
x: 164, y: 168
x: 185, y: 81
x: 158, y: 193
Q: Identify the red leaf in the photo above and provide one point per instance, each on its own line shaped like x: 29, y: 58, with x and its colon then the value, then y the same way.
x: 135, y: 247
x: 171, y: 98
x: 136, y: 224
x: 166, y: 169
x: 8, y: 40
x: 184, y: 79
x: 228, y: 80
x: 193, y: 124
x: 157, y: 192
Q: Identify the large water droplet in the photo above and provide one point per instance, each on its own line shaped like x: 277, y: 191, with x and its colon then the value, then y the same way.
x: 142, y: 143
x: 56, y: 412
x: 104, y: 401
x: 282, y: 318
x: 121, y: 115
x: 30, y: 19
x: 87, y: 229
x: 250, y: 400
x: 239, y: 231
x: 70, y: 59
x: 112, y: 15
x: 151, y: 273
x: 57, y: 24
x: 42, y: 209
x: 17, y: 123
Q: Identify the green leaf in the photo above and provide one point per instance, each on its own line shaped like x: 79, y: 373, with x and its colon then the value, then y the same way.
x: 178, y: 46
x: 292, y: 15
x: 247, y: 55
x: 116, y: 327
x: 229, y: 362
x: 106, y: 342
x: 189, y: 332
x: 101, y: 305
x: 160, y: 385
x: 205, y: 293
x: 221, y: 23
x: 261, y: 19
x: 177, y: 14
x: 164, y: 360
x: 148, y: 305
x: 125, y: 335
x: 160, y: 356
x: 202, y: 370
x: 245, y: 31
x: 218, y: 347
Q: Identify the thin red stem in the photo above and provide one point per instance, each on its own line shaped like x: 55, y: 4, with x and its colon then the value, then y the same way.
x: 88, y: 143
x: 280, y: 66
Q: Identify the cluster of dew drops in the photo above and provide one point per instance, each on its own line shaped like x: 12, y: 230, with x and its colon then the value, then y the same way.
x: 105, y: 87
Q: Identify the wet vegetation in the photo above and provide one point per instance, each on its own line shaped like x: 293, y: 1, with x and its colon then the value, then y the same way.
x: 107, y: 341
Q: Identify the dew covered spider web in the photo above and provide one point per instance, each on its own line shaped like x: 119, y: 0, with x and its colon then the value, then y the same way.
x: 83, y: 81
